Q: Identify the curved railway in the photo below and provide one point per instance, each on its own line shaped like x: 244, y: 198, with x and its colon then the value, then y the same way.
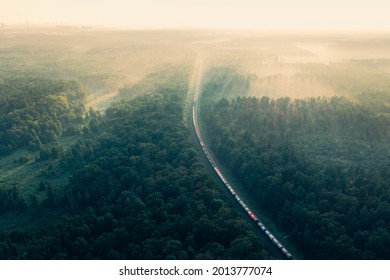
x: 255, y: 219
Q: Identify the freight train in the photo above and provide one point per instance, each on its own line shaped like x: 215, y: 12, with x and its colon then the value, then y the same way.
x: 256, y: 220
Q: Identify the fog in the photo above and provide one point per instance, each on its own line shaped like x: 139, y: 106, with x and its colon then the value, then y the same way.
x: 295, y: 64
x: 227, y: 14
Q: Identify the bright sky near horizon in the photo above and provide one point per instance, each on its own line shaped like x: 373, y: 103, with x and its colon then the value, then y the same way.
x: 262, y: 14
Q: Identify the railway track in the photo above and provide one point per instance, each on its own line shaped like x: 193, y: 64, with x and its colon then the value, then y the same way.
x: 230, y: 188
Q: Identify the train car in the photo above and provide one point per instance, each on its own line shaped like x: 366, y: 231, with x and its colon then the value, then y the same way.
x: 251, y: 215
x: 243, y: 205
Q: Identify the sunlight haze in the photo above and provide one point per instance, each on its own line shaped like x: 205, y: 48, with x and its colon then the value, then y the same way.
x: 253, y: 14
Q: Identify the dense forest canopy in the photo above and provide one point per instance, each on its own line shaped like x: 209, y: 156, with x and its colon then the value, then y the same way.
x: 298, y: 123
x: 139, y: 191
x: 319, y: 166
x: 38, y: 111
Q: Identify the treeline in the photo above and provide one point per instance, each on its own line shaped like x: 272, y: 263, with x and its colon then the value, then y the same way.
x: 284, y: 116
x: 163, y: 79
x: 226, y: 82
x: 36, y: 111
x: 365, y: 81
x: 143, y: 193
x: 300, y: 161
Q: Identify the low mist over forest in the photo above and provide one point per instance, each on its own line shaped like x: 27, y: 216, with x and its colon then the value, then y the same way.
x: 100, y: 159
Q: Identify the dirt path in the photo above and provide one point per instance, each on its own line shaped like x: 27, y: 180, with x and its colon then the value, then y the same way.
x: 100, y: 102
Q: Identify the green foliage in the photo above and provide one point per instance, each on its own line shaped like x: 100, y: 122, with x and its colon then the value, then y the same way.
x: 226, y: 82
x: 11, y: 199
x: 362, y: 80
x: 163, y: 79
x: 36, y: 111
x: 141, y: 193
x: 318, y: 166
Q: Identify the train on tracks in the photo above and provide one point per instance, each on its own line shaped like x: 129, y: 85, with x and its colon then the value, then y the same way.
x: 255, y: 219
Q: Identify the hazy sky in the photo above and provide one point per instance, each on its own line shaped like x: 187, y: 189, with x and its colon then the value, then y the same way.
x: 291, y: 14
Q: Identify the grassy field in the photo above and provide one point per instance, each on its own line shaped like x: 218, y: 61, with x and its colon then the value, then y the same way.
x: 23, y: 170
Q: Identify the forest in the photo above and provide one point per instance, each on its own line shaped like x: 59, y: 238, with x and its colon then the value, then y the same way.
x: 99, y: 158
x: 319, y: 166
x: 138, y: 191
x: 37, y: 111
